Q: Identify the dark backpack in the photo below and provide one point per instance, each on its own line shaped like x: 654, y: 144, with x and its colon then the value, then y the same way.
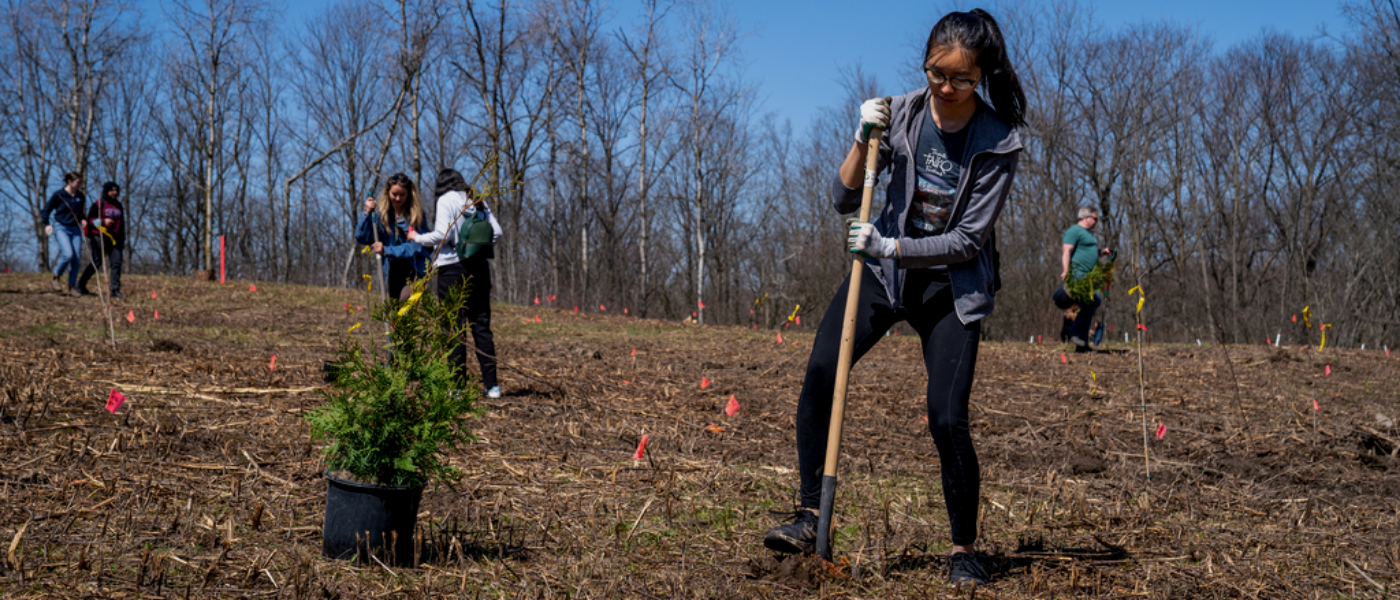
x: 474, y: 237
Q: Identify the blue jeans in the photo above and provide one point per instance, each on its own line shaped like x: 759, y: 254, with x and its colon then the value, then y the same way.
x: 70, y: 243
x: 1082, y: 322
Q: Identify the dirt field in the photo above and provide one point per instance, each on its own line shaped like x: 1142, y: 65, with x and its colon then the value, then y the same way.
x: 205, y: 484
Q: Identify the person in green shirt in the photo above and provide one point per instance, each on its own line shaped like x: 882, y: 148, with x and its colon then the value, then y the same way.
x: 1081, y: 253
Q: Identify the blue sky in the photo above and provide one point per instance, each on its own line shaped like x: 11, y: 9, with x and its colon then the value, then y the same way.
x: 794, y: 49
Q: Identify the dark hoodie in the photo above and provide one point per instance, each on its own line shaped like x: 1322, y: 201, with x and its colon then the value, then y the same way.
x: 66, y: 208
x: 107, y: 208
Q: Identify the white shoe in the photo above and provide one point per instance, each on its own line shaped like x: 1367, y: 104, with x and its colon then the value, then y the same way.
x: 494, y: 392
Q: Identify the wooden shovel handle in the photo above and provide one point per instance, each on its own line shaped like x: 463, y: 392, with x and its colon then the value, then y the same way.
x: 848, y: 327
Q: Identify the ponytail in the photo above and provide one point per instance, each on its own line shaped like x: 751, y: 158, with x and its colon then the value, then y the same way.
x: 977, y: 32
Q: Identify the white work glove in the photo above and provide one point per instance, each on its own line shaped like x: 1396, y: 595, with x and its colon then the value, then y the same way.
x: 874, y: 113
x: 865, y: 241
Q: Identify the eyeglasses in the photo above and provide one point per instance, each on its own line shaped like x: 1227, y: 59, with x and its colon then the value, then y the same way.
x: 937, y: 79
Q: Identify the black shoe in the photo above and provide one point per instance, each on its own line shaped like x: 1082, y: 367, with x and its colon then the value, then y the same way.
x: 799, y: 536
x: 964, y: 568
x: 118, y: 295
x: 1078, y: 342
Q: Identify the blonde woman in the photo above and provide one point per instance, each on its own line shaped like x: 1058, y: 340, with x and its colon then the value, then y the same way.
x: 403, y: 260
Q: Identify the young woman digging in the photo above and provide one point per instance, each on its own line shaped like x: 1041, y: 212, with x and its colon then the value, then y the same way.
x: 930, y: 261
x: 403, y: 260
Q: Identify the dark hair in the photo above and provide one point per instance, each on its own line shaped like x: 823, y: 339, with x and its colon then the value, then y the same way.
x: 449, y: 180
x: 109, y: 186
x: 70, y: 177
x: 977, y: 32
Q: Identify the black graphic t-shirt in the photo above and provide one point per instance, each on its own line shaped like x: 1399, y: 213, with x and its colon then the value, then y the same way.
x: 937, y: 165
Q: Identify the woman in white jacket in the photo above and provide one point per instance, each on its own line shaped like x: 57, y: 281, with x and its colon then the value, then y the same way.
x: 454, y: 207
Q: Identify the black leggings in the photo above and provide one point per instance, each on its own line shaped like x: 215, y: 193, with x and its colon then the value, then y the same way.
x: 477, y: 312
x: 950, y: 355
x: 400, y: 276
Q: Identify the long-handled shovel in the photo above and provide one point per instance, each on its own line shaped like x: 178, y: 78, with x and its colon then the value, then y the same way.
x: 843, y: 361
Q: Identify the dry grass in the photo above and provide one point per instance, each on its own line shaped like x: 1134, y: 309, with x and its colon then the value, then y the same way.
x: 205, y: 484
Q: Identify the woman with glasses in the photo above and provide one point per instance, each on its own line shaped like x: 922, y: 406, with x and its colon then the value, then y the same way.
x: 951, y: 155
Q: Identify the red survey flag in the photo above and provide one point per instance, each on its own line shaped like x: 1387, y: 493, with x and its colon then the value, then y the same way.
x: 634, y: 351
x: 702, y: 304
x: 252, y: 288
x: 732, y: 407
x: 115, y: 400
x: 157, y: 315
x: 1295, y: 318
x: 537, y: 319
x: 1161, y: 430
x: 273, y: 364
x: 799, y: 320
x: 130, y: 316
x: 1039, y: 339
x: 692, y: 314
x: 704, y: 382
x: 575, y: 310
x: 602, y: 308
x: 347, y: 307
x: 537, y: 300
x: 1063, y: 359
x: 1315, y: 406
x: 1327, y: 370
x: 624, y: 311
x: 551, y: 298
x: 641, y: 448
x: 153, y: 294
x: 780, y: 337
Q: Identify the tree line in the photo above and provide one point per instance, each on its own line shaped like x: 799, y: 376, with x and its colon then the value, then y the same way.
x: 634, y: 166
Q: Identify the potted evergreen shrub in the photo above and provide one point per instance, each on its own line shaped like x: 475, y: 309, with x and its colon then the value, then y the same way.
x: 387, y: 426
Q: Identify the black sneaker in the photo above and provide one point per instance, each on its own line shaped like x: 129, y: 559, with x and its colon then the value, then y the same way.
x: 964, y: 568
x: 799, y: 536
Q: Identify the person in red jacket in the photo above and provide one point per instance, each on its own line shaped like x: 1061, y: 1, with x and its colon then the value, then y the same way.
x: 106, y: 235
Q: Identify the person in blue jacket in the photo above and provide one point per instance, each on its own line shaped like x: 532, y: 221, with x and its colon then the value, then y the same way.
x: 403, y: 260
x: 68, y: 206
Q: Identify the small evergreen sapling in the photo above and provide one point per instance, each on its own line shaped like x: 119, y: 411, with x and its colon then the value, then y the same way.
x: 1081, y: 289
x: 392, y: 423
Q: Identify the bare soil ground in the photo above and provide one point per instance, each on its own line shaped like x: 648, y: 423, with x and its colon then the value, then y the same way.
x: 205, y: 484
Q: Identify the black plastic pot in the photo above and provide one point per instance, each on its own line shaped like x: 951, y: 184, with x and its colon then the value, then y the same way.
x: 363, y: 518
x: 1062, y: 299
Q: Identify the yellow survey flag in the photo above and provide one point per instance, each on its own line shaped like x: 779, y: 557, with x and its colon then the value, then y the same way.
x: 412, y: 300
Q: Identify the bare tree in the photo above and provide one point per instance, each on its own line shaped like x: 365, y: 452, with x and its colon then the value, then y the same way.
x: 712, y: 37
x: 205, y: 70
x: 650, y: 69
